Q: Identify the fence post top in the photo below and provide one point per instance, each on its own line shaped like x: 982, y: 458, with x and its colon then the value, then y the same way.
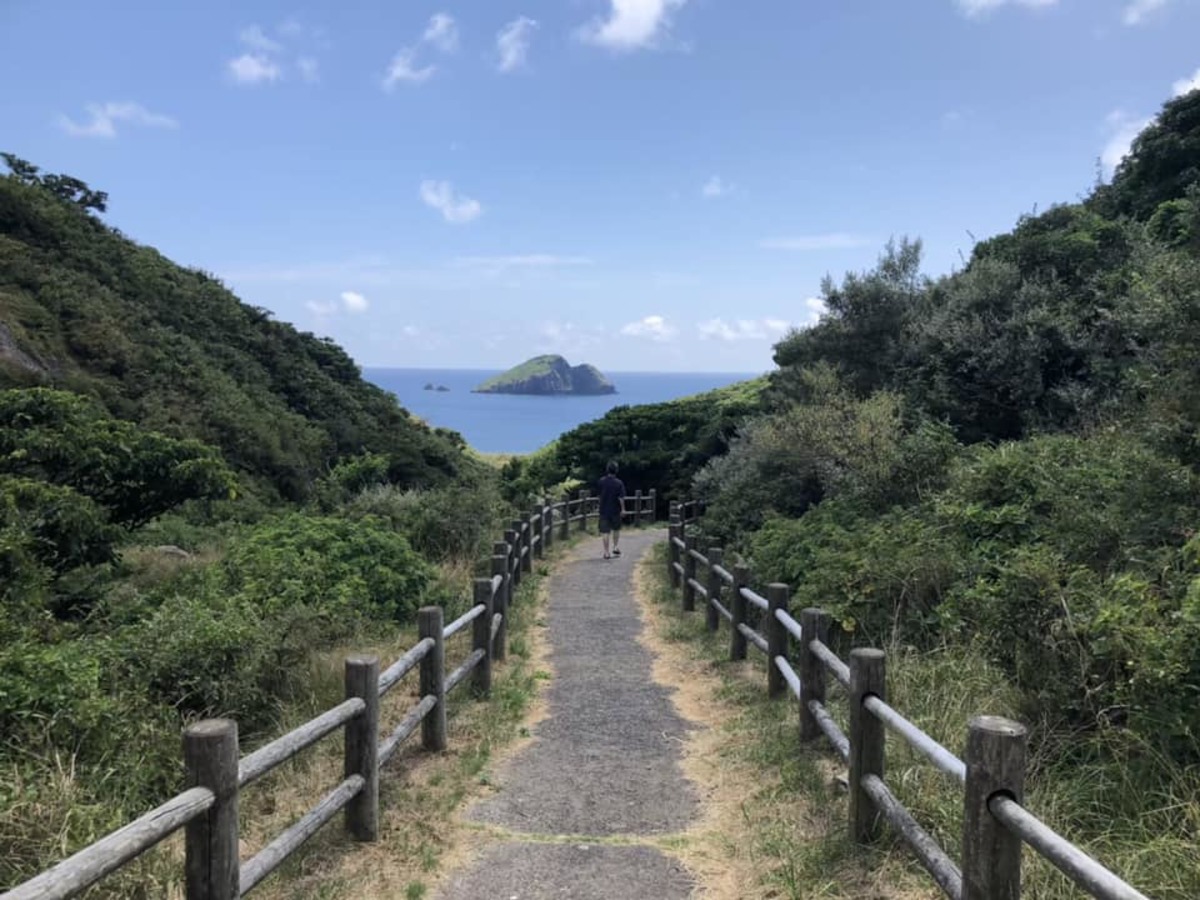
x: 429, y: 611
x: 362, y: 659
x: 715, y: 554
x: 211, y: 728
x: 997, y: 726
x: 777, y: 590
x: 866, y: 654
x: 499, y: 548
x: 813, y: 611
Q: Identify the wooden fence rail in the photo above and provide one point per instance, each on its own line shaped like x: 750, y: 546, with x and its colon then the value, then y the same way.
x: 798, y: 661
x: 208, y: 809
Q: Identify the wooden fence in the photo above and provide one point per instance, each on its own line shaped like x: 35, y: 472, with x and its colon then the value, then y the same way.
x: 216, y: 773
x: 995, y: 823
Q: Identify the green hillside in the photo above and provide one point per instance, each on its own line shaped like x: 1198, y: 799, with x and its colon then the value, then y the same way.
x: 84, y: 308
x: 548, y: 374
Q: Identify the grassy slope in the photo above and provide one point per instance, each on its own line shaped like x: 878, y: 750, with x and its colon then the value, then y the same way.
x: 531, y: 368
x: 174, y: 350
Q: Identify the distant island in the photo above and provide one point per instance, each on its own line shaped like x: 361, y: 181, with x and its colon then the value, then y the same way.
x: 548, y: 375
x: 441, y: 388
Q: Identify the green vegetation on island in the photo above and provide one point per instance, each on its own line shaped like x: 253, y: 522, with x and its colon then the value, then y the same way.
x: 548, y: 374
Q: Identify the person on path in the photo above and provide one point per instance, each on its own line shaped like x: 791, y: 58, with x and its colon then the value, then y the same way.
x: 612, y: 493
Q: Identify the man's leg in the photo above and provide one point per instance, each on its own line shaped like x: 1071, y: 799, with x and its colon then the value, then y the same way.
x: 604, y: 529
x: 616, y: 536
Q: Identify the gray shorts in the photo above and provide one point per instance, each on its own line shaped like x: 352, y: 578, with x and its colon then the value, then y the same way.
x: 610, y: 523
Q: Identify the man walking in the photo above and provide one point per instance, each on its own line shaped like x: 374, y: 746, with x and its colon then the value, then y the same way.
x: 612, y: 493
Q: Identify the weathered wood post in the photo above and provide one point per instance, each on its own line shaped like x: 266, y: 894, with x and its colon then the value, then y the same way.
x: 503, y: 599
x: 712, y: 618
x: 361, y: 747
x: 991, y: 857
x: 527, y: 558
x: 564, y: 520
x: 537, y: 540
x: 737, y: 606
x: 547, y: 523
x: 777, y: 637
x: 582, y: 510
x: 674, y: 532
x: 481, y: 636
x: 513, y: 536
x: 867, y: 677
x: 430, y: 623
x: 653, y: 503
x: 210, y: 758
x: 689, y: 572
x: 814, y: 625
x: 637, y: 508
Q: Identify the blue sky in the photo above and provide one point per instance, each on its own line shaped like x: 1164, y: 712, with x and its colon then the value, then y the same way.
x: 640, y: 184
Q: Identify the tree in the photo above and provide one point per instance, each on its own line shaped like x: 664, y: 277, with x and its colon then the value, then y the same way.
x: 65, y: 187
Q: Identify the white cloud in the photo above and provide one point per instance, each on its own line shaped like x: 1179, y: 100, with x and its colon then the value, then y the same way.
x: 715, y: 187
x: 816, y: 308
x: 631, y: 24
x: 1139, y: 10
x: 655, y: 328
x: 512, y: 43
x: 403, y: 68
x: 1186, y: 85
x: 309, y: 69
x: 1123, y: 128
x: 833, y: 241
x: 442, y: 32
x: 254, y: 38
x: 354, y: 302
x: 454, y: 208
x: 254, y: 68
x: 742, y: 329
x: 320, y: 308
x: 105, y: 116
x: 411, y: 331
x: 975, y: 8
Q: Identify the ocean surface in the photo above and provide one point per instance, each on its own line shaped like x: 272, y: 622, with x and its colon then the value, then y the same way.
x: 512, y: 423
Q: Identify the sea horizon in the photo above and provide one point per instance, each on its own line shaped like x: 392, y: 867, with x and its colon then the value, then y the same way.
x: 522, y: 423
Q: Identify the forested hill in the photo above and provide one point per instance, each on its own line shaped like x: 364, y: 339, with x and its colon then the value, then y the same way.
x: 84, y: 308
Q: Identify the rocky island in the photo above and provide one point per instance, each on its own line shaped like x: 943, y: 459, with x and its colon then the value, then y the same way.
x: 548, y: 375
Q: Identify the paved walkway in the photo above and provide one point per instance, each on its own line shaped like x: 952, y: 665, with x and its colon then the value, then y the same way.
x: 603, y: 771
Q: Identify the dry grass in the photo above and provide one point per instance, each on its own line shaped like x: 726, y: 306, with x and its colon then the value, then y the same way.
x: 773, y: 818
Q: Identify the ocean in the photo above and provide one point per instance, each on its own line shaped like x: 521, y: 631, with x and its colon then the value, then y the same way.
x: 512, y: 423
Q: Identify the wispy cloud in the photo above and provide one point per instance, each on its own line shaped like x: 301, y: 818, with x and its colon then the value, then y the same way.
x: 742, y: 329
x: 354, y: 302
x: 1186, y: 85
x: 405, y: 68
x: 455, y: 208
x: 523, y: 261
x: 816, y: 242
x: 655, y: 328
x: 442, y: 32
x: 265, y: 58
x: 106, y: 116
x: 1139, y: 10
x: 716, y: 187
x: 350, y: 301
x: 975, y: 8
x: 1123, y: 129
x: 631, y: 24
x: 512, y: 43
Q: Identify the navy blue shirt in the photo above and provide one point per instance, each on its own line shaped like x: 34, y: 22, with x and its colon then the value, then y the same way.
x: 612, y: 489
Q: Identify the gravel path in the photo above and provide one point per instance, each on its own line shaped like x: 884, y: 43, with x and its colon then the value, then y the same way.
x: 603, y: 766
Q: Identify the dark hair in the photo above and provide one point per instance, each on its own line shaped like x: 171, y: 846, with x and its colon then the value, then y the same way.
x: 611, y: 468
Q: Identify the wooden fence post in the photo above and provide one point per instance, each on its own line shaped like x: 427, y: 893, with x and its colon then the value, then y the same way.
x: 361, y: 747
x: 582, y: 510
x: 689, y: 573
x: 814, y: 625
x: 210, y: 758
x: 564, y: 522
x: 777, y: 637
x: 547, y: 525
x: 637, y: 508
x: 430, y: 623
x: 537, y: 540
x: 481, y: 636
x: 867, y: 677
x: 674, y: 530
x: 737, y: 606
x: 513, y: 536
x: 527, y: 529
x: 991, y: 857
x: 653, y: 503
x: 503, y: 600
x: 712, y: 618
